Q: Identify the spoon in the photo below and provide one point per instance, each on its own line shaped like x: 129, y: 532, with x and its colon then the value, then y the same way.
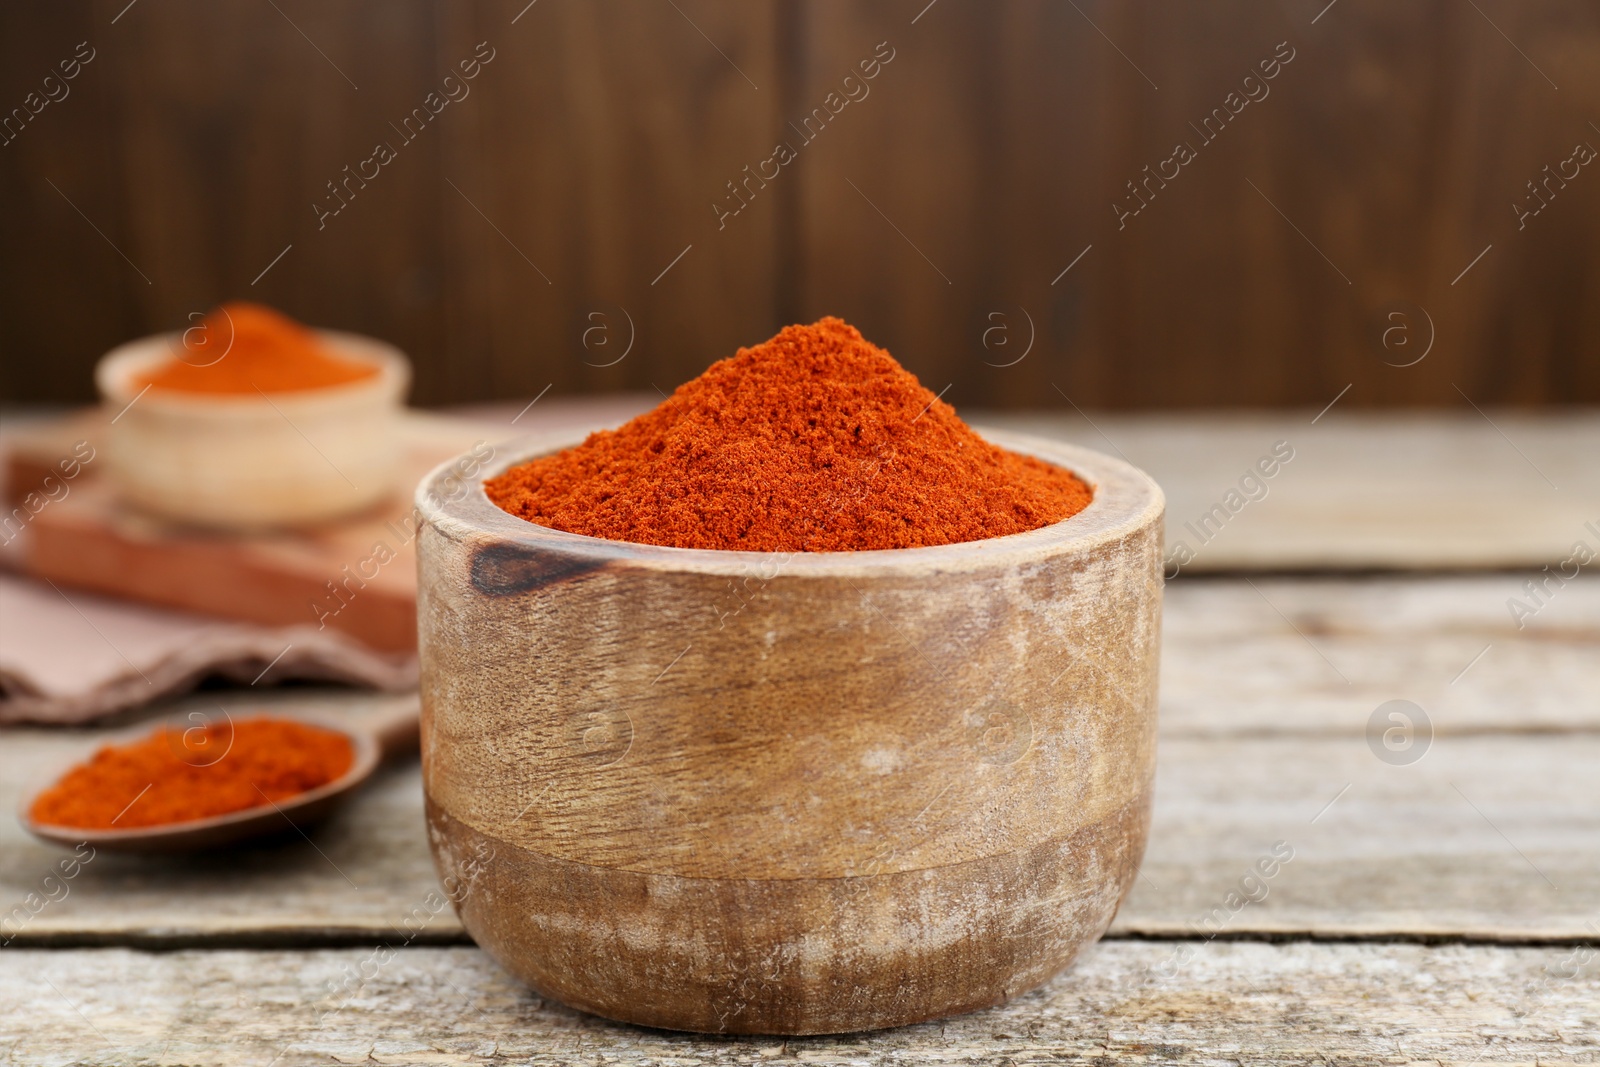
x: 388, y: 734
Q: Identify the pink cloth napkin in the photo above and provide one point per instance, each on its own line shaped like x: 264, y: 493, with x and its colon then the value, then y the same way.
x: 68, y: 656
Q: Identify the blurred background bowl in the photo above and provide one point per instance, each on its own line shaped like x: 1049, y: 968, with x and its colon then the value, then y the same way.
x: 256, y: 460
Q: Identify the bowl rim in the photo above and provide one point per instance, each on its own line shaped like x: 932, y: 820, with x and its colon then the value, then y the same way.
x: 114, y: 373
x: 1126, y: 500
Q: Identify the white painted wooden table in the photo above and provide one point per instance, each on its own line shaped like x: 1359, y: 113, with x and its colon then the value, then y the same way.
x: 1446, y: 909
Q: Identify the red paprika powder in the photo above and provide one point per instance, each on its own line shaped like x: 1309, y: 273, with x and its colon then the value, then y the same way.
x: 242, y: 348
x: 815, y: 441
x: 178, y: 775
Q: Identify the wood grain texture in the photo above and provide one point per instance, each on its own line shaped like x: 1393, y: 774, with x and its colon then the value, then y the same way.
x: 1387, y: 156
x: 1422, y: 492
x: 1300, y: 657
x: 595, y: 151
x: 1258, y: 735
x: 1376, y: 164
x: 1125, y: 1003
x: 1491, y: 837
x: 1401, y: 854
x: 200, y: 165
x: 865, y: 793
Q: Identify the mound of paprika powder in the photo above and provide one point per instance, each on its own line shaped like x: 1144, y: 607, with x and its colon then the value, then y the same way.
x: 249, y: 348
x: 177, y: 775
x: 815, y: 441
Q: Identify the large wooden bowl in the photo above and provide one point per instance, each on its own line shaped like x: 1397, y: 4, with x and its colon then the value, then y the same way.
x: 790, y: 794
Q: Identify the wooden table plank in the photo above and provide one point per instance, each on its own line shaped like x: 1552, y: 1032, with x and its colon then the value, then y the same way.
x: 1490, y: 837
x: 1419, y: 491
x: 1487, y: 837
x: 1318, y: 655
x: 1259, y: 733
x: 1123, y: 1002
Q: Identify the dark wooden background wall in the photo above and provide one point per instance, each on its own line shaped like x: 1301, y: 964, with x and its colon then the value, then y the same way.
x: 935, y: 213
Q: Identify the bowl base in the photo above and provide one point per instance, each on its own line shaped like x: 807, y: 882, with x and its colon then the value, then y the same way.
x: 790, y: 956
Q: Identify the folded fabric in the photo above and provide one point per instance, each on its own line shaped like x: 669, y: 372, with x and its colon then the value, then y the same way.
x: 67, y: 656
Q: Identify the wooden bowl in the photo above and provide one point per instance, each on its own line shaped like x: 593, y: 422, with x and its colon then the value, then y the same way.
x: 254, y: 461
x: 791, y: 794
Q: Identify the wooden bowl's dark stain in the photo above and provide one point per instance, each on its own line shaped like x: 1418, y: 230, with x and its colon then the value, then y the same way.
x: 507, y: 570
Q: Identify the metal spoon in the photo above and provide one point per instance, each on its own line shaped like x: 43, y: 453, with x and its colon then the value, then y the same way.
x: 384, y: 735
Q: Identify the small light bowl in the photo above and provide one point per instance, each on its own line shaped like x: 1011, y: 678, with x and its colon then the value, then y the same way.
x: 254, y: 461
x: 750, y: 792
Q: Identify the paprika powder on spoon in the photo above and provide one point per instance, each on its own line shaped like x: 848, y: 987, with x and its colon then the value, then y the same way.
x: 177, y: 775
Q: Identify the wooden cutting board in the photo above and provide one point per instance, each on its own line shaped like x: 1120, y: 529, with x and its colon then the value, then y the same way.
x: 357, y: 576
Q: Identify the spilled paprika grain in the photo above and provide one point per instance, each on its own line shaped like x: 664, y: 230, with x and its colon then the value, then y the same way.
x: 242, y: 347
x: 815, y: 441
x: 179, y: 775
